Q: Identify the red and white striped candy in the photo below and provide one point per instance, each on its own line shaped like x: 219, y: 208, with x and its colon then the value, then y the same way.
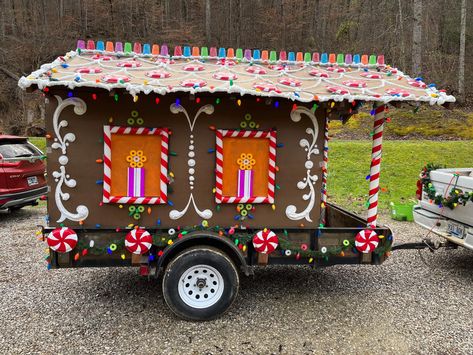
x: 266, y: 87
x: 369, y: 75
x: 336, y: 69
x: 417, y: 84
x: 89, y: 70
x: 355, y: 83
x: 277, y: 67
x: 193, y: 67
x: 338, y: 90
x: 158, y: 74
x: 226, y: 62
x: 318, y: 73
x: 129, y: 64
x: 290, y: 82
x: 101, y: 57
x: 62, y: 240
x: 366, y: 241
x: 225, y: 76
x: 265, y: 241
x: 138, y: 241
x: 191, y: 83
x: 113, y: 79
x: 398, y: 92
x: 256, y: 70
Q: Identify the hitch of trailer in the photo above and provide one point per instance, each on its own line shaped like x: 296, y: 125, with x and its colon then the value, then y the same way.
x: 432, y: 245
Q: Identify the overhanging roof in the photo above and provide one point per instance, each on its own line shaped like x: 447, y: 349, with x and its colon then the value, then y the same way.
x: 296, y: 76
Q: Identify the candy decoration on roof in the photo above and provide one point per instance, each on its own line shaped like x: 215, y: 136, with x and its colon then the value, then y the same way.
x: 62, y: 240
x: 193, y: 67
x: 105, y: 58
x: 337, y: 90
x: 89, y: 70
x: 398, y: 92
x: 318, y: 73
x: 225, y: 76
x: 193, y: 83
x: 266, y: 87
x: 138, y: 241
x: 355, y: 83
x: 226, y: 62
x: 366, y: 241
x: 158, y: 74
x: 369, y: 75
x: 256, y: 70
x: 277, y: 67
x: 417, y: 83
x: 129, y: 64
x: 114, y: 79
x: 290, y: 82
x: 265, y: 241
x: 336, y: 69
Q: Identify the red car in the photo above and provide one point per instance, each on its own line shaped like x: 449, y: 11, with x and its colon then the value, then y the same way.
x: 22, y: 173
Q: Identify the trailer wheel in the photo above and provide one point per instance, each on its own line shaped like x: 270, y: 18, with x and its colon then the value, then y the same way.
x: 200, y: 283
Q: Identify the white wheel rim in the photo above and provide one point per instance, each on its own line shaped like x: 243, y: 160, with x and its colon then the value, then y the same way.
x: 201, y: 286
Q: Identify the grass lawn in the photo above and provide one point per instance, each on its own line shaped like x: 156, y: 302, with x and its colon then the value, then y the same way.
x: 349, y: 164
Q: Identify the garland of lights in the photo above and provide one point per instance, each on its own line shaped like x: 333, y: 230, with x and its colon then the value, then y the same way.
x: 455, y: 197
x: 240, y: 239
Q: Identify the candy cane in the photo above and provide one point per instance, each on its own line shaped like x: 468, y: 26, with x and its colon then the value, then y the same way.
x: 375, y: 164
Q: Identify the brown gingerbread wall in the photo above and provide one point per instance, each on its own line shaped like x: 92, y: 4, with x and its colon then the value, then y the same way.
x: 88, y: 147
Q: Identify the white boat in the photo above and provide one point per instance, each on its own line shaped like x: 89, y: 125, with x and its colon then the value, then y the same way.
x: 454, y: 224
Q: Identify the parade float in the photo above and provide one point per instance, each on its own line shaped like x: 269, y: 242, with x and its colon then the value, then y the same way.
x: 198, y: 164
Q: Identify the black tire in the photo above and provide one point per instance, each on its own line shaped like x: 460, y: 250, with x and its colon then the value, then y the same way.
x: 199, y: 259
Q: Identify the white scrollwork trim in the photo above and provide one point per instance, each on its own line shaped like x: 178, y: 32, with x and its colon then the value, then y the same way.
x: 207, y: 213
x: 309, y: 180
x: 62, y: 142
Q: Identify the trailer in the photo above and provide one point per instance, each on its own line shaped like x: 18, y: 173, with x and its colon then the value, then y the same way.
x: 445, y: 205
x: 201, y: 165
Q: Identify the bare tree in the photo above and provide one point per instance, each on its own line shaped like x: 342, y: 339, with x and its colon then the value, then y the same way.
x: 417, y: 38
x: 207, y: 21
x: 461, y: 59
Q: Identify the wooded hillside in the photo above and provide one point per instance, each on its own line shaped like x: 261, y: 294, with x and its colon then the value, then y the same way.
x: 422, y: 38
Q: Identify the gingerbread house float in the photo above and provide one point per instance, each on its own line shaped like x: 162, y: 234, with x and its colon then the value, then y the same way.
x: 203, y: 162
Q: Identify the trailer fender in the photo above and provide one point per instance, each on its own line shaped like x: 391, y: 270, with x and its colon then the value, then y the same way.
x: 203, y: 238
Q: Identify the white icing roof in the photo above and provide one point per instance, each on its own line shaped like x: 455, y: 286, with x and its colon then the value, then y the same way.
x: 299, y: 77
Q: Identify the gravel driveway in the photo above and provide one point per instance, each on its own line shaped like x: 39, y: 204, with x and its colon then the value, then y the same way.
x: 403, y: 306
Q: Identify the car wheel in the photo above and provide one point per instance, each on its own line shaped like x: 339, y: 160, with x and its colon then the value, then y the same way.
x: 200, y: 283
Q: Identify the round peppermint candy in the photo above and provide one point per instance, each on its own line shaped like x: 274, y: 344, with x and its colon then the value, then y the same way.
x: 278, y: 67
x: 318, y: 73
x: 266, y: 87
x: 369, y: 75
x: 355, y: 83
x: 265, y: 241
x: 138, y: 241
x: 256, y: 70
x: 338, y: 90
x: 226, y: 62
x: 225, y: 76
x: 417, y: 84
x: 336, y: 69
x: 62, y: 240
x: 193, y: 83
x: 113, y: 79
x: 290, y: 82
x: 89, y: 70
x: 101, y: 57
x: 129, y: 64
x: 158, y: 74
x: 193, y: 67
x: 398, y: 92
x: 366, y: 241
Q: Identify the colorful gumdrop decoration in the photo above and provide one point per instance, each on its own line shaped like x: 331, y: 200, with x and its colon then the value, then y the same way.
x: 265, y: 241
x: 62, y: 240
x: 366, y: 241
x: 138, y: 241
